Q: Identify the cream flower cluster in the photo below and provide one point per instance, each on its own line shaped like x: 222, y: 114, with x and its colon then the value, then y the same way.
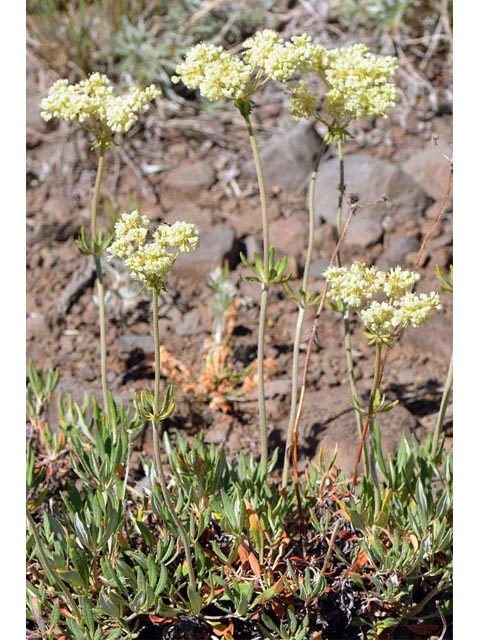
x: 358, y: 286
x: 150, y: 262
x: 280, y: 60
x: 93, y: 102
x: 355, y: 286
x: 303, y: 103
x: 383, y: 319
x: 358, y: 82
x: 215, y: 72
x: 219, y: 75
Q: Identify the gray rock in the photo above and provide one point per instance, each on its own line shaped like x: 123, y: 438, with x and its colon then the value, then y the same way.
x: 396, y: 251
x: 190, y: 176
x: 290, y: 235
x: 337, y: 428
x: 252, y: 246
x: 371, y: 179
x: 430, y: 168
x: 217, y: 245
x: 287, y: 159
x: 190, y: 212
x: 318, y: 267
x: 36, y: 125
x: 190, y: 323
x: 433, y: 339
x: 37, y: 327
x: 131, y: 341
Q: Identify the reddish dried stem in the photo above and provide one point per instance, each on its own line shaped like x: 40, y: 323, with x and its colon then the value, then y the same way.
x: 301, y: 399
x: 426, y: 238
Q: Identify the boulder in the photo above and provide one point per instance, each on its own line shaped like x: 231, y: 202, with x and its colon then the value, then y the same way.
x: 430, y: 168
x: 372, y: 180
x: 290, y: 235
x: 190, y: 176
x: 189, y: 212
x: 335, y: 426
x: 287, y: 159
x: 217, y: 246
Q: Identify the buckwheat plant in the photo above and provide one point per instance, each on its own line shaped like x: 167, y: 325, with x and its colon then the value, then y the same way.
x: 93, y: 104
x: 220, y: 75
x: 386, y: 304
x: 150, y: 262
x: 357, y: 85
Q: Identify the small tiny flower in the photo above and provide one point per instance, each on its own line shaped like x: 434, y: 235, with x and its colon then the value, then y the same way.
x: 220, y: 75
x: 354, y: 286
x: 380, y: 318
x: 260, y: 47
x: 216, y: 73
x: 130, y: 230
x: 397, y: 281
x: 91, y: 102
x: 414, y: 309
x: 303, y: 104
x: 280, y: 60
x: 150, y: 262
x: 359, y: 287
x: 358, y: 82
x: 183, y: 236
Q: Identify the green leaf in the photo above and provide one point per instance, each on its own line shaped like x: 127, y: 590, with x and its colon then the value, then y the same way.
x: 358, y: 520
x: 81, y: 532
x: 195, y: 599
x: 88, y: 614
x: 145, y: 533
x: 73, y: 578
x: 108, y: 607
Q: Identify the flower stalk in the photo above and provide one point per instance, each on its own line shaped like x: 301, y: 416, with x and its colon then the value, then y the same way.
x: 157, y: 428
x: 264, y: 296
x: 345, y: 311
x: 100, y: 283
x: 302, y: 308
x: 371, y: 469
x: 443, y: 408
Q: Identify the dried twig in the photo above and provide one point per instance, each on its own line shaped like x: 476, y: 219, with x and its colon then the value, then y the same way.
x: 301, y: 400
x: 441, y: 209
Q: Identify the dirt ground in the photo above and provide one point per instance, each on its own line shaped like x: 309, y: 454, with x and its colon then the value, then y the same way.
x: 186, y: 163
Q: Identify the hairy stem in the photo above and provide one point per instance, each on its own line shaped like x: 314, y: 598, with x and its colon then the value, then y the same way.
x: 262, y: 409
x: 443, y: 407
x: 100, y: 283
x: 264, y: 299
x: 341, y: 195
x: 346, y: 314
x: 301, y: 315
x: 156, y: 341
x: 294, y: 400
x: 313, y: 332
x: 157, y: 428
x: 96, y: 192
x: 127, y: 468
x: 370, y: 466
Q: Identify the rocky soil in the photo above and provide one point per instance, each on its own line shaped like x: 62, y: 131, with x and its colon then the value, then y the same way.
x: 185, y: 163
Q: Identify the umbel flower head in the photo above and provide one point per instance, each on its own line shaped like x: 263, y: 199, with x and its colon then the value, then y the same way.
x: 220, y: 75
x: 359, y: 285
x: 92, y: 103
x: 358, y: 84
x: 150, y: 262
